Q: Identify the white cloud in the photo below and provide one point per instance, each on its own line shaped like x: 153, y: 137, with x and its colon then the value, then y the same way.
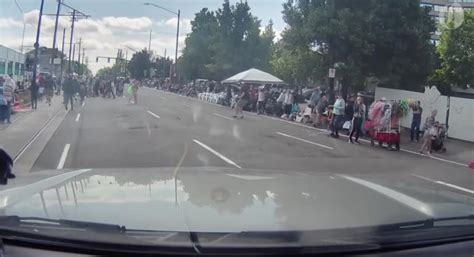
x: 127, y: 23
x: 100, y: 36
x: 31, y: 17
x: 184, y: 25
x: 8, y: 23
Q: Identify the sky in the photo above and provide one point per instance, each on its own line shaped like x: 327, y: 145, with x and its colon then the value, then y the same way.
x: 115, y: 24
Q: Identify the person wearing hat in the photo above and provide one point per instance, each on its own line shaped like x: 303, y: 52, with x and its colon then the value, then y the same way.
x: 429, y: 132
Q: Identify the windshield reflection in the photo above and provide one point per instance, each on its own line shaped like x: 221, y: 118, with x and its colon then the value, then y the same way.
x: 191, y: 200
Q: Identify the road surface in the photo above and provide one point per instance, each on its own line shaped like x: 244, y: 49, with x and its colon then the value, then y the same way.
x: 166, y: 130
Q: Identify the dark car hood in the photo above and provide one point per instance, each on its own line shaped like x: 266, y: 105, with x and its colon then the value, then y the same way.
x: 228, y: 200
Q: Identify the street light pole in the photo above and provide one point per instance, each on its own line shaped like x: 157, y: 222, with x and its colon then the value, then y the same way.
x: 176, y: 52
x: 35, y: 61
x: 70, y: 41
x: 149, y: 42
x: 56, y: 24
x: 62, y: 61
x: 177, y: 38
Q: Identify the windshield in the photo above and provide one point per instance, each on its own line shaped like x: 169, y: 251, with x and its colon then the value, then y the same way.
x: 237, y: 117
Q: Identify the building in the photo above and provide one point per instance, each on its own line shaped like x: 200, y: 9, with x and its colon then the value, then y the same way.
x: 12, y: 62
x: 439, y: 11
x: 48, y: 61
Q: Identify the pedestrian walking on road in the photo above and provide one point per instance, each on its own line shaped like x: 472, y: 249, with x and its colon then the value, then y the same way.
x: 134, y: 86
x: 34, y: 94
x: 338, y: 116
x: 358, y: 117
x: 243, y: 101
x: 416, y: 122
x: 49, y: 88
x: 70, y: 86
x: 429, y: 132
x: 41, y: 86
x: 83, y: 92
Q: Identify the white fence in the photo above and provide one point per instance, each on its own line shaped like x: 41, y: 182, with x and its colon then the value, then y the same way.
x: 461, y: 117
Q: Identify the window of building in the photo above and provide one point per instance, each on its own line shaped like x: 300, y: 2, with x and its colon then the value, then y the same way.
x: 10, y: 67
x: 2, y: 66
x: 17, y: 68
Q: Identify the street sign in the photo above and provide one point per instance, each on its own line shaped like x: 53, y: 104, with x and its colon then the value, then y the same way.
x: 332, y: 73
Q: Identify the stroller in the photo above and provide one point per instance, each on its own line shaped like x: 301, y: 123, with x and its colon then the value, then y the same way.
x: 437, y: 141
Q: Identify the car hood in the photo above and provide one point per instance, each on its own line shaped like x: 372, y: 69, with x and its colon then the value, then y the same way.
x: 228, y: 200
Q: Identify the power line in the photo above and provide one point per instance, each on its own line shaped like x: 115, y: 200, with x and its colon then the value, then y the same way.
x: 19, y: 7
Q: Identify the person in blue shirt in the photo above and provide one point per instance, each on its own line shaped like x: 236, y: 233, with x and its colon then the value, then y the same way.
x: 338, y: 116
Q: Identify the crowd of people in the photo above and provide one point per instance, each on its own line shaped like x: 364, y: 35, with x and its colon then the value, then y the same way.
x: 352, y: 113
x: 73, y: 87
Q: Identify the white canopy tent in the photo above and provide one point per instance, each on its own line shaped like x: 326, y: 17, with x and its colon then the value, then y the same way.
x: 253, y: 76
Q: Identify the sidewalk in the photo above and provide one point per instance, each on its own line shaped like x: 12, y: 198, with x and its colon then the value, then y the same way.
x: 456, y: 150
x: 26, y: 124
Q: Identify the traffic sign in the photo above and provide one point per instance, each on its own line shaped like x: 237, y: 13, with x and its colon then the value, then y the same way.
x: 332, y: 73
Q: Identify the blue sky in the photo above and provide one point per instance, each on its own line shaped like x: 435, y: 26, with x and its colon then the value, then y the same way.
x: 117, y: 24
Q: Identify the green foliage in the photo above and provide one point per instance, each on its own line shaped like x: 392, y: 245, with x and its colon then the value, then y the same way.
x: 388, y: 40
x: 225, y: 42
x: 161, y: 67
x: 80, y: 69
x: 456, y: 52
x: 296, y: 65
x: 120, y: 68
x: 140, y: 65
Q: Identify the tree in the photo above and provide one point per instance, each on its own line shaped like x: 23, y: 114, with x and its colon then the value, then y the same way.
x: 161, y: 67
x: 198, y: 53
x: 298, y: 65
x: 225, y: 42
x: 120, y: 68
x: 140, y: 64
x: 76, y: 67
x: 456, y: 52
x: 389, y: 39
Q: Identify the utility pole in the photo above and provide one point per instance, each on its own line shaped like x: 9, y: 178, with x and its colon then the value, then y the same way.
x: 79, y: 56
x: 176, y: 52
x: 149, y: 42
x: 38, y: 30
x: 83, y: 57
x: 70, y: 40
x: 73, y: 56
x: 56, y: 23
x: 177, y: 39
x: 332, y: 55
x: 62, y: 61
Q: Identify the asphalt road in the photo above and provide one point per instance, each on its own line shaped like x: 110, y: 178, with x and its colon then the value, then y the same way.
x: 167, y: 130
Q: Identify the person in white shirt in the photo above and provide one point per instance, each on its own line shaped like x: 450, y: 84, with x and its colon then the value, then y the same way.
x: 261, y: 101
x: 288, y: 102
